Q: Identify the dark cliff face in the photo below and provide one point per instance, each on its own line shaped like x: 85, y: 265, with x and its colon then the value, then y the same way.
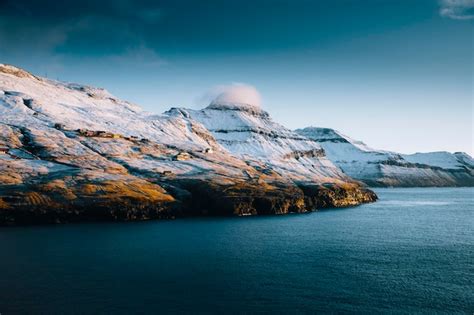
x: 244, y: 198
x: 125, y: 199
x: 335, y: 196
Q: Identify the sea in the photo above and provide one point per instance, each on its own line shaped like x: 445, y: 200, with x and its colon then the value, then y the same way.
x: 410, y: 252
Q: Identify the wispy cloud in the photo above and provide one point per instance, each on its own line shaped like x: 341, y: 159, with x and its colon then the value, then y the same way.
x: 138, y: 56
x: 457, y: 9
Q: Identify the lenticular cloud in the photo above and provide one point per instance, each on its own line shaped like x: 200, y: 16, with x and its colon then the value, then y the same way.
x: 236, y: 94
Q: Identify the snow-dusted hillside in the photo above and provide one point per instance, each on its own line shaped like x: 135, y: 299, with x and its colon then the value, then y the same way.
x: 74, y: 152
x: 383, y: 168
x: 249, y: 133
x: 41, y: 103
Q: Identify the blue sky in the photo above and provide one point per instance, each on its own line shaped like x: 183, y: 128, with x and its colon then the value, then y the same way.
x: 395, y: 74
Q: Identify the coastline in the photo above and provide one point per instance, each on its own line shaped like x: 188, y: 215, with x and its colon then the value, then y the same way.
x: 142, y: 200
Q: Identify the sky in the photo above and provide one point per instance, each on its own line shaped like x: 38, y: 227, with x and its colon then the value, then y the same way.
x: 396, y: 74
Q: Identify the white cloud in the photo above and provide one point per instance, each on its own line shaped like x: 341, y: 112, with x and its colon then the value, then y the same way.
x: 457, y: 9
x: 234, y: 94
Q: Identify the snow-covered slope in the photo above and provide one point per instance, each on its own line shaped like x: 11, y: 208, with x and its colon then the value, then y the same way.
x: 442, y: 159
x: 249, y: 133
x: 75, y: 152
x: 41, y: 103
x: 383, y: 168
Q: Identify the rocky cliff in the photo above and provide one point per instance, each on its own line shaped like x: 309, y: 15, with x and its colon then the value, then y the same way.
x: 71, y: 152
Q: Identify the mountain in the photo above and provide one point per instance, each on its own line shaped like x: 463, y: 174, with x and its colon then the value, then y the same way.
x: 71, y: 152
x: 384, y: 168
x: 249, y: 133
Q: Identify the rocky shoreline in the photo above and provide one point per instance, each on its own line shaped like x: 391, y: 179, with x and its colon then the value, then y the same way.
x: 123, y: 199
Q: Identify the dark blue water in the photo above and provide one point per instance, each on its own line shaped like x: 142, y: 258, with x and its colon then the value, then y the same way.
x: 413, y: 251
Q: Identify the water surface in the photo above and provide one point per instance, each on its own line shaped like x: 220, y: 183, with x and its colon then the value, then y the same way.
x: 413, y: 251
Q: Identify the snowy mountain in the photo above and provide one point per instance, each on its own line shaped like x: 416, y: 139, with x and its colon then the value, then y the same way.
x: 249, y: 133
x: 383, y: 168
x: 71, y: 152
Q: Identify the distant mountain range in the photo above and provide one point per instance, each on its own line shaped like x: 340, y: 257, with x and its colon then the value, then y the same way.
x: 384, y: 168
x: 71, y: 152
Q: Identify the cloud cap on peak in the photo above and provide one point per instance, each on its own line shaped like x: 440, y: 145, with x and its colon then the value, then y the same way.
x: 236, y: 94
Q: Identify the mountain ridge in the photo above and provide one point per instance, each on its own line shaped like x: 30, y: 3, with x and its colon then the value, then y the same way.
x: 386, y: 168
